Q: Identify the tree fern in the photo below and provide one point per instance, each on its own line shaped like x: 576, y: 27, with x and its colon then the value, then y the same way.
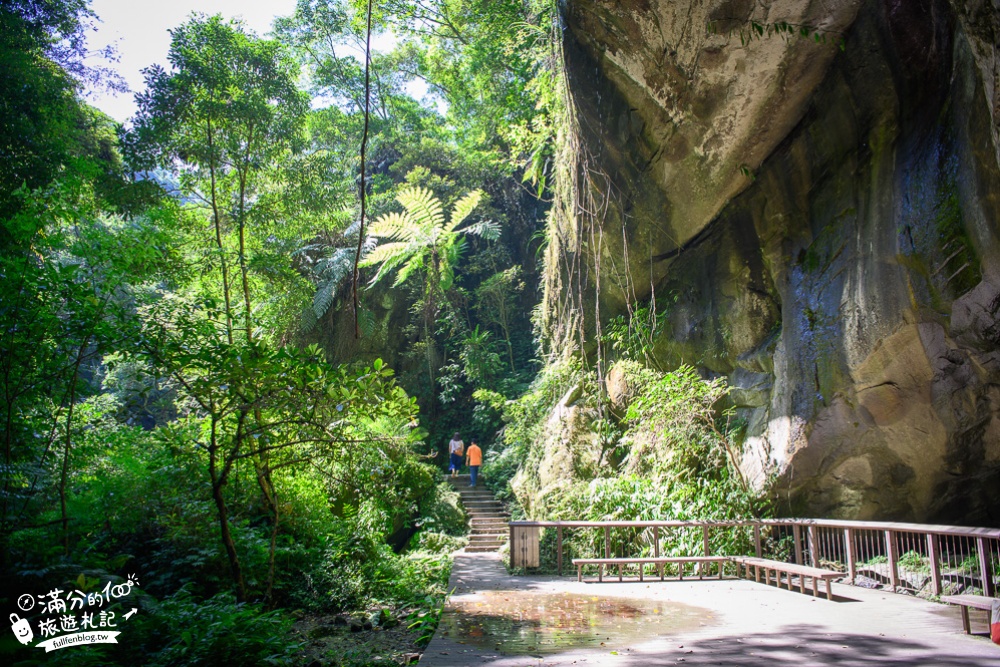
x: 421, y: 233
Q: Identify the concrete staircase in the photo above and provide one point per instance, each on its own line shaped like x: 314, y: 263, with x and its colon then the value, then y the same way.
x: 488, y: 529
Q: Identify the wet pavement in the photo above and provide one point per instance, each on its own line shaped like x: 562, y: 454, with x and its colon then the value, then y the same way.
x: 523, y: 623
x: 500, y: 620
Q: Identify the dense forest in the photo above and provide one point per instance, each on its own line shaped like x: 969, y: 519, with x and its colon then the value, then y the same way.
x: 238, y: 330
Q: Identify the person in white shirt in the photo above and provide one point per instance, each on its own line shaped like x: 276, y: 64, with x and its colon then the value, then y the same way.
x: 456, y: 448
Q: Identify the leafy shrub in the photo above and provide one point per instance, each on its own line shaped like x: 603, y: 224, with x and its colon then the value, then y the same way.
x: 217, y: 631
x: 442, y: 512
x: 914, y: 562
x: 437, y: 543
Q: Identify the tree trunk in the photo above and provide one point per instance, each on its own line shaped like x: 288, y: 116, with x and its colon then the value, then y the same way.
x: 227, y: 541
x: 218, y: 239
x: 219, y: 479
x: 242, y: 234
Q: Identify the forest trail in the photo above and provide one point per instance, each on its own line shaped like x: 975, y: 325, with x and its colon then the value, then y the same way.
x: 488, y: 521
x: 500, y: 620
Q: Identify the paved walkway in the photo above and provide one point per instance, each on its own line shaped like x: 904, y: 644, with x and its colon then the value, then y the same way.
x: 742, y: 624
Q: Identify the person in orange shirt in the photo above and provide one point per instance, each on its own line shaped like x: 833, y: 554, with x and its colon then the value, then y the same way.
x: 474, y: 459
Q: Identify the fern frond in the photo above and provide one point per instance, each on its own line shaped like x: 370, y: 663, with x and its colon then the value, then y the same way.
x: 324, y: 297
x: 395, y: 226
x: 447, y: 276
x: 487, y: 229
x: 416, y: 262
x: 463, y: 207
x: 308, y: 321
x: 336, y: 265
x: 389, y: 255
x: 387, y: 252
x: 424, y: 208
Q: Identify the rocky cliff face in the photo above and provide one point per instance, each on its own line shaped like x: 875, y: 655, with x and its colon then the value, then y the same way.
x: 821, y: 224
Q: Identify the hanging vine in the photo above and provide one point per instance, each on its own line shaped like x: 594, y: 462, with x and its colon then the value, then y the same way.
x: 363, y: 193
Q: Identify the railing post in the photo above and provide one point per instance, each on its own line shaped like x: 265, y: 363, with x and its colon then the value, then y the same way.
x: 932, y: 554
x: 559, y: 549
x: 607, y: 541
x: 656, y: 541
x: 703, y: 567
x: 985, y: 567
x: 849, y: 549
x: 890, y: 550
x: 513, y: 549
x: 797, y: 536
x: 756, y: 540
x: 813, y: 546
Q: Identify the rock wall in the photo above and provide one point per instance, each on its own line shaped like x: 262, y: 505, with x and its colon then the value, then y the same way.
x: 820, y: 225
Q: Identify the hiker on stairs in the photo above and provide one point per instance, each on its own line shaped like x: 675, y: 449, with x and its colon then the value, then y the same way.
x: 474, y: 459
x: 455, y: 449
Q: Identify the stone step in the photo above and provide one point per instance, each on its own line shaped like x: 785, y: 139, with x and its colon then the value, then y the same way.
x: 493, y: 536
x: 489, y: 528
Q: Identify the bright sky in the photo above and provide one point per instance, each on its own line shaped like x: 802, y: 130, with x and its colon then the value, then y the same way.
x: 139, y: 32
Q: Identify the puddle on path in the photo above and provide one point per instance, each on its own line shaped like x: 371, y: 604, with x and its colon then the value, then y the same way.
x: 518, y: 622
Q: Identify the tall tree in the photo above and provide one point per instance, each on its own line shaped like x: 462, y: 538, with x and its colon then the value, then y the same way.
x: 223, y: 116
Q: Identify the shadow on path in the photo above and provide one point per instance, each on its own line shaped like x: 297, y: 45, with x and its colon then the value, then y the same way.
x: 800, y: 645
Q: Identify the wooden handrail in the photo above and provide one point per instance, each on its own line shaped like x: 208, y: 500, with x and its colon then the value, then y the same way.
x: 919, y: 528
x: 889, y: 538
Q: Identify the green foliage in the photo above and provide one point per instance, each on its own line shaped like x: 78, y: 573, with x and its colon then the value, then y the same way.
x: 631, y: 497
x: 185, y: 630
x: 481, y: 363
x: 496, y: 303
x: 633, y: 336
x: 487, y: 59
x: 225, y: 119
x: 421, y: 239
x: 914, y: 562
x: 524, y: 422
x: 672, y: 431
x: 217, y: 631
x: 442, y: 511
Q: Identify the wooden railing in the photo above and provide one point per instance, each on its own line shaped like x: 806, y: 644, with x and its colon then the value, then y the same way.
x: 906, y: 556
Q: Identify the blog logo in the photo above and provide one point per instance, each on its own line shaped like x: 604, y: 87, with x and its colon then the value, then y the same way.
x: 81, y: 616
